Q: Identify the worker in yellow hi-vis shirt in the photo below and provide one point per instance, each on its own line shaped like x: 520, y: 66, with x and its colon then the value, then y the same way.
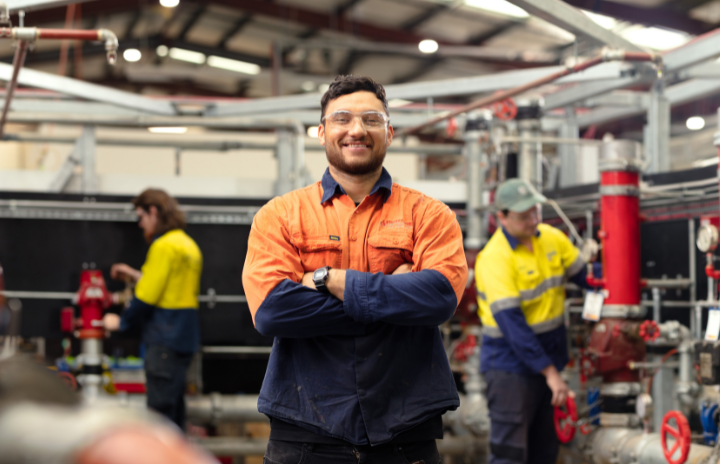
x: 166, y: 302
x: 520, y: 277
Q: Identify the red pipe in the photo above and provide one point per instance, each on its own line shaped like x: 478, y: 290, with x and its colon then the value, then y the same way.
x: 620, y: 224
x: 489, y: 100
x: 68, y: 34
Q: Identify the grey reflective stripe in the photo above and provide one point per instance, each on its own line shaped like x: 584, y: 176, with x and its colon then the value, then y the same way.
x: 492, y: 332
x: 575, y: 267
x: 544, y: 286
x: 503, y: 304
x: 547, y: 326
x: 629, y: 190
x: 542, y: 327
x: 481, y: 295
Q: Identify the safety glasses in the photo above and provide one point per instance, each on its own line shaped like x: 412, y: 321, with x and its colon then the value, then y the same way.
x: 370, y: 119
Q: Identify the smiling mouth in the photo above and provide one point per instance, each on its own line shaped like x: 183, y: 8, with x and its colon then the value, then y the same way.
x: 355, y: 145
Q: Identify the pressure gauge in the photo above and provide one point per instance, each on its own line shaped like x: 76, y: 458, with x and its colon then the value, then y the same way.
x: 707, y: 238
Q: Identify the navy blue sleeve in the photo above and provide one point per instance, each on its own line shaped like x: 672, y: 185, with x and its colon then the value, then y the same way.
x: 135, y: 314
x: 424, y: 298
x: 522, y: 339
x: 579, y: 278
x: 293, y: 311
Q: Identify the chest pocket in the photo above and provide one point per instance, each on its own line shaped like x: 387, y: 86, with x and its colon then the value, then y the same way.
x: 319, y: 252
x: 388, y: 251
x: 529, y: 282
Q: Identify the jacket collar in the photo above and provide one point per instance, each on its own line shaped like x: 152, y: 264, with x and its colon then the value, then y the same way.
x: 331, y: 187
x: 512, y: 241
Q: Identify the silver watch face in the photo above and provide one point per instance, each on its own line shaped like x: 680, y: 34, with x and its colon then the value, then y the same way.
x: 319, y: 274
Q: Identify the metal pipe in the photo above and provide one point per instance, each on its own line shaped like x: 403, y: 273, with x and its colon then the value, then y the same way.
x: 489, y: 100
x: 222, y: 145
x: 687, y: 387
x: 467, y: 445
x: 473, y: 154
x: 613, y: 445
x: 236, y: 349
x: 667, y: 283
x: 18, y: 61
x: 656, y: 304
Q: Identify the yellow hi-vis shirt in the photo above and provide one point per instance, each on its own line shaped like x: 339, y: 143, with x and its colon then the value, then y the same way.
x: 171, y: 273
x: 508, y: 276
x: 166, y: 296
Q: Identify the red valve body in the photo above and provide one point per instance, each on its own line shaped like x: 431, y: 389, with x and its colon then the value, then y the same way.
x: 93, y: 299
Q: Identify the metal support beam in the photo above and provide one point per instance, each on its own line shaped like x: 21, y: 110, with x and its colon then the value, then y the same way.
x: 284, y: 156
x: 86, y: 152
x: 569, y: 153
x: 65, y: 173
x: 422, y: 90
x: 30, y: 5
x: 86, y: 91
x: 657, y: 131
x: 573, y: 20
x: 476, y: 177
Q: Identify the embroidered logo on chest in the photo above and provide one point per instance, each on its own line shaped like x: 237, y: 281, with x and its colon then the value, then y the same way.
x: 551, y: 255
x: 334, y: 238
x: 396, y: 224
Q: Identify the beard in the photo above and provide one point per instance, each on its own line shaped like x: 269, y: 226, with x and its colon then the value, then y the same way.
x: 359, y: 168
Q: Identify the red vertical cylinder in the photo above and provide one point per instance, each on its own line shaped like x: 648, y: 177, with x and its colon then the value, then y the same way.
x: 621, y: 236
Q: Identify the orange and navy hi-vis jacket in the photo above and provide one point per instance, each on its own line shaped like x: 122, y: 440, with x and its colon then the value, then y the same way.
x: 366, y: 369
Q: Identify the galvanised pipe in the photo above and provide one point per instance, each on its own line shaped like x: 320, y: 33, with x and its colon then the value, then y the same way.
x: 615, y: 445
x: 612, y: 55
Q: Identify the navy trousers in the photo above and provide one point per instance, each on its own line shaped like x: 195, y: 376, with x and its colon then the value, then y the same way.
x: 521, y: 419
x: 287, y: 452
x: 165, y: 372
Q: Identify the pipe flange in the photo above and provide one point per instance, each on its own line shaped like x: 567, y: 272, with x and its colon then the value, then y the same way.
x: 621, y: 389
x: 624, y: 311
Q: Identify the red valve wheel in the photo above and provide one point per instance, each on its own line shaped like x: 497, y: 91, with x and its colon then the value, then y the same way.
x: 649, y: 331
x: 505, y: 110
x: 565, y: 421
x: 681, y: 435
x: 585, y: 429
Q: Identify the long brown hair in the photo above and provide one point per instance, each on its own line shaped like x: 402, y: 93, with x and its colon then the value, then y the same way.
x: 169, y: 215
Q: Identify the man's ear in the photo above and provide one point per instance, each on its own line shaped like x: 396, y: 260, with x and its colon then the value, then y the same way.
x: 390, y: 135
x: 321, y: 134
x: 153, y: 211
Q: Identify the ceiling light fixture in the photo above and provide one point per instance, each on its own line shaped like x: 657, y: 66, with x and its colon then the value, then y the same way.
x: 498, y: 6
x: 695, y: 123
x: 132, y: 55
x: 233, y: 65
x: 161, y: 51
x: 168, y: 130
x: 428, y: 46
x: 312, y: 131
x: 398, y: 102
x: 186, y: 55
x: 169, y: 3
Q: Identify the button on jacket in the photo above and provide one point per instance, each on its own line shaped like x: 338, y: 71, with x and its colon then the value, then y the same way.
x: 373, y: 366
x: 166, y: 296
x: 521, y: 297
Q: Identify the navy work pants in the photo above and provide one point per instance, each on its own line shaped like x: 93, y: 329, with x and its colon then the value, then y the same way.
x: 287, y: 452
x: 521, y: 416
x: 165, y: 372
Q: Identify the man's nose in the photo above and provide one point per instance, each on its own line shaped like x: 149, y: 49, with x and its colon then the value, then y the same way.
x: 357, y: 126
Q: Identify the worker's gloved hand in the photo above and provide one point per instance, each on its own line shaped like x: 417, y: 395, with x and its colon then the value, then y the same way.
x: 121, y: 271
x: 403, y: 269
x: 111, y: 322
x: 560, y: 390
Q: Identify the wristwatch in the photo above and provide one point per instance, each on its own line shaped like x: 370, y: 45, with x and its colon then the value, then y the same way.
x: 320, y: 276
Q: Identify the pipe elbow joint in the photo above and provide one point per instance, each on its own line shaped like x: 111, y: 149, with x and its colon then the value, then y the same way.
x: 111, y: 44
